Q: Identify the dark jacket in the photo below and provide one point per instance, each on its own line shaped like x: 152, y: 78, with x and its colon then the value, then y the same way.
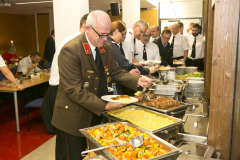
x: 49, y: 50
x: 165, y: 54
x: 123, y: 62
x: 77, y: 100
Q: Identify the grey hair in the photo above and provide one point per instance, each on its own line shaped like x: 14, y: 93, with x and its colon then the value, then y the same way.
x: 12, y: 48
x: 92, y: 17
x: 142, y: 23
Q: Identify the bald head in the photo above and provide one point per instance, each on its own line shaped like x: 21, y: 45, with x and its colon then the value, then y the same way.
x: 175, y: 28
x: 98, y: 28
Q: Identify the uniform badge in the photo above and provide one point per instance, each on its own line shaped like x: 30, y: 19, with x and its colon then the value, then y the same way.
x: 130, y: 33
x: 108, y: 79
x: 86, y: 48
x: 101, y: 49
x: 112, y: 42
x: 106, y: 68
x: 86, y: 84
x: 89, y: 71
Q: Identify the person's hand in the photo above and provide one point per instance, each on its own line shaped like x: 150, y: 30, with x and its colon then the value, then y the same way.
x: 145, y: 82
x: 45, y: 70
x: 110, y: 106
x: 20, y: 87
x: 135, y: 72
x: 183, y: 64
x: 175, y: 60
x: 142, y: 60
x: 162, y: 66
x: 168, y: 66
x: 137, y: 64
x: 153, y: 69
x: 34, y: 66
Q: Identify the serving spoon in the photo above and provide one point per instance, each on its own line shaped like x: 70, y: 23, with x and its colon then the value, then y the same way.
x: 135, y: 142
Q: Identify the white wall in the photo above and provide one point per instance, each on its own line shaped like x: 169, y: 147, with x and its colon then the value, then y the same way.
x: 130, y: 12
x: 67, y: 15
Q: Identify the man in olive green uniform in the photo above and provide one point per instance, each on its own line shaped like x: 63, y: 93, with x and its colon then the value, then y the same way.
x: 86, y: 65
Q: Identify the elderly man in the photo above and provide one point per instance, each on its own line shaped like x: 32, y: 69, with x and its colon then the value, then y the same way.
x: 178, y: 43
x: 50, y: 47
x: 164, y: 47
x: 146, y: 50
x: 86, y: 65
x: 10, y: 55
x: 28, y: 64
x: 134, y: 33
x: 50, y: 97
x: 196, y: 47
x: 154, y: 33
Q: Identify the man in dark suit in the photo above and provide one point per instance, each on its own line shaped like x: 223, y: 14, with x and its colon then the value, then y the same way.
x: 86, y: 65
x: 50, y: 47
x: 164, y: 47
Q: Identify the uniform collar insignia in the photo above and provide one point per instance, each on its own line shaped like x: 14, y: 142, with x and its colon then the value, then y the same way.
x: 112, y: 42
x: 86, y: 48
x: 130, y: 33
x: 101, y: 49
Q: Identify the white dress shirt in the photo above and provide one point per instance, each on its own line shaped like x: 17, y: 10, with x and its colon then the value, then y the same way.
x: 180, y: 45
x: 2, y: 62
x: 25, y: 63
x: 199, y: 46
x: 130, y: 38
x: 151, y: 49
x: 152, y: 39
x: 127, y: 51
x: 54, y: 76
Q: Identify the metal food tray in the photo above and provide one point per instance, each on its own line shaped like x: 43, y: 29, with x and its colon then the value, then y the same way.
x: 171, y: 155
x: 99, y: 157
x: 181, y: 107
x: 165, y: 88
x: 172, y: 83
x: 134, y: 107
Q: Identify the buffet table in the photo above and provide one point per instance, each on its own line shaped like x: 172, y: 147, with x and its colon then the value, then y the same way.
x: 11, y: 88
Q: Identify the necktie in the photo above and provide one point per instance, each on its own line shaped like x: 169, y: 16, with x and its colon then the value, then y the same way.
x: 121, y: 49
x: 193, y: 49
x: 172, y: 45
x: 102, y: 86
x: 144, y: 52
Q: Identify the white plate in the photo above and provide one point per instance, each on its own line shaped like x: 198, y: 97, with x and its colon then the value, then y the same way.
x: 110, y: 89
x: 108, y: 98
x: 152, y: 62
x: 164, y: 68
x: 179, y: 63
x: 195, y: 78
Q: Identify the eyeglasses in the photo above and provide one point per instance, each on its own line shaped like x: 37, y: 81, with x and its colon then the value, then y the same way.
x: 147, y: 35
x: 141, y: 30
x: 100, y: 36
x: 123, y: 34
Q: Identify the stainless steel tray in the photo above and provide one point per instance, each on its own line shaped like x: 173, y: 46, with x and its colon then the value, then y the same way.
x: 165, y: 88
x: 134, y: 107
x: 172, y: 83
x: 183, y: 106
x: 99, y: 157
x: 171, y: 155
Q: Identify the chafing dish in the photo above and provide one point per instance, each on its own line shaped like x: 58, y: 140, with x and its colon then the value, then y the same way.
x: 193, y: 157
x: 193, y: 148
x: 171, y: 155
x: 164, y: 132
x: 195, y: 129
x: 178, y: 112
x: 99, y: 157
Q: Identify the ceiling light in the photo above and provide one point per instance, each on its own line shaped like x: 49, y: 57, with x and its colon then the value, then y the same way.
x: 34, y: 2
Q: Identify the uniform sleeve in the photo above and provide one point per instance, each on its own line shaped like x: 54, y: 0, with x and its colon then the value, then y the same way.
x: 71, y: 82
x: 156, y: 53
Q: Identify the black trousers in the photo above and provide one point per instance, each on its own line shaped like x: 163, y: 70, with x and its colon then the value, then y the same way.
x: 177, y: 58
x: 196, y: 63
x: 70, y: 147
x: 47, y: 108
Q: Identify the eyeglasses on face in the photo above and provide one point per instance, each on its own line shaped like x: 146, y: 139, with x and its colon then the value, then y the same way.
x: 123, y: 34
x: 140, y: 30
x: 100, y: 36
x: 144, y: 35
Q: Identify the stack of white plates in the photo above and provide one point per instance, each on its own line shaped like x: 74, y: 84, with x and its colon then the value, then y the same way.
x: 195, y: 78
x: 195, y: 86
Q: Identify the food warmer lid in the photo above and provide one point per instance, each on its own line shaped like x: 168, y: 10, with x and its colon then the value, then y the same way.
x: 197, y: 109
x: 195, y: 125
x: 192, y: 148
x: 193, y: 157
